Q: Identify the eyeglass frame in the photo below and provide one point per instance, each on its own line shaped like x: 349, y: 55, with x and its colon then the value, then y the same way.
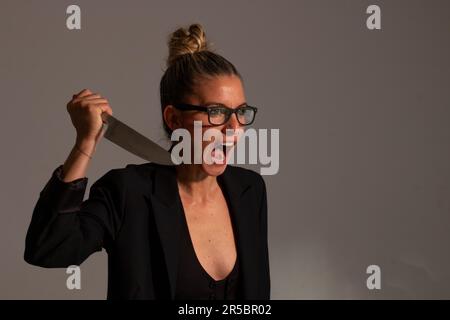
x: 192, y: 107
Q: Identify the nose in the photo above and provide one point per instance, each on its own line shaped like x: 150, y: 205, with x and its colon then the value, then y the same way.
x: 232, y: 123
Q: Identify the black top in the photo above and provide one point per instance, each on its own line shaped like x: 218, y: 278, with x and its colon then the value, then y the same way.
x: 194, y: 283
x: 134, y: 213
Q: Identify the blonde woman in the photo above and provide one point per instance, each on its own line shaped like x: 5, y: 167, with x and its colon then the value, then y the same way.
x: 189, y: 231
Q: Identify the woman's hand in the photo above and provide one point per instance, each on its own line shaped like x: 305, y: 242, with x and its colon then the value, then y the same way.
x: 85, y: 111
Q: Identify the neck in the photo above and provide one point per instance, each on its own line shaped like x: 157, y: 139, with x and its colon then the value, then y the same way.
x: 195, y: 183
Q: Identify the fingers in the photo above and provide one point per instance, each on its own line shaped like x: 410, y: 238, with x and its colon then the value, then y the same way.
x: 85, y: 110
x: 83, y: 93
x: 105, y: 107
x: 92, y: 101
x: 87, y: 98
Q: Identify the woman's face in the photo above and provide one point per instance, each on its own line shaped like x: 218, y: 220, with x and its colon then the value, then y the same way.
x: 225, y: 90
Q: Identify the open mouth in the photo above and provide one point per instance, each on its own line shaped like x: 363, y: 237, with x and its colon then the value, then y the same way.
x: 220, y: 151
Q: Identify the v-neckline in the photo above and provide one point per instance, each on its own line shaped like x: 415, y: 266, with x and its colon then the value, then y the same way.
x: 191, y: 243
x: 191, y: 247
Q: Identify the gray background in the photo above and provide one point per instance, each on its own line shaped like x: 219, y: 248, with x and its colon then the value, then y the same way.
x: 363, y: 118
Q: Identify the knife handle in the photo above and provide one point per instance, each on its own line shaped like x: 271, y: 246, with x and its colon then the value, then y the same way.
x: 105, y: 117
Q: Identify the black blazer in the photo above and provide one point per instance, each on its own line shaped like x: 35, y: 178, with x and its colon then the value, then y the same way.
x: 134, y: 213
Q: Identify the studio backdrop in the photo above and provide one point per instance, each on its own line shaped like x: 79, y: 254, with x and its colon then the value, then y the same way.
x: 358, y: 90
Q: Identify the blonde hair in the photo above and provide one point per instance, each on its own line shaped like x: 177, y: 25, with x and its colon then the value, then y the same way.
x: 186, y: 41
x: 190, y: 59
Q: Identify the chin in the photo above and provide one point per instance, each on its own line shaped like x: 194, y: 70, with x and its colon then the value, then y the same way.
x: 214, y: 169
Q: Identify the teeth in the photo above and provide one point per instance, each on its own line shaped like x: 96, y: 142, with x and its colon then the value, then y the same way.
x: 223, y: 145
x: 218, y: 157
x: 228, y: 144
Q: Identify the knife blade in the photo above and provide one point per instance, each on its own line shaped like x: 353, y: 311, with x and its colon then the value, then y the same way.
x: 129, y: 139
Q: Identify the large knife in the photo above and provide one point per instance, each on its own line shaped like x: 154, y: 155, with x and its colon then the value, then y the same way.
x: 129, y: 139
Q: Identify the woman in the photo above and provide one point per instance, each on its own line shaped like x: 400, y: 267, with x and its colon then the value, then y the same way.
x: 189, y: 231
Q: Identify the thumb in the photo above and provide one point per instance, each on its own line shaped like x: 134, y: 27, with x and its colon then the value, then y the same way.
x: 107, y: 109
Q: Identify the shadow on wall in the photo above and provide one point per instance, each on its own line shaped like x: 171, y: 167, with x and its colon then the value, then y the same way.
x: 315, y: 272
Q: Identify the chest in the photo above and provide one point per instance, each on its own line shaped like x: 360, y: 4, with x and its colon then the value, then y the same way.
x: 211, y: 233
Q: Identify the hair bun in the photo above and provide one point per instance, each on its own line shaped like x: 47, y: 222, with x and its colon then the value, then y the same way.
x: 188, y: 41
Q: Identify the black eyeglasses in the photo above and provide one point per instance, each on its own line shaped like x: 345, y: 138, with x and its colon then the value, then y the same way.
x: 219, y: 115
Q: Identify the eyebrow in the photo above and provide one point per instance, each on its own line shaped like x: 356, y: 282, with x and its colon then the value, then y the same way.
x: 223, y: 105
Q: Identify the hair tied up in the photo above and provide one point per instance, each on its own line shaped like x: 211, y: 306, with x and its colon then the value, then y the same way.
x: 186, y: 41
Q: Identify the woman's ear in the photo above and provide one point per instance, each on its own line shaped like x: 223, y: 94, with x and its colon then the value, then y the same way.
x: 172, y: 117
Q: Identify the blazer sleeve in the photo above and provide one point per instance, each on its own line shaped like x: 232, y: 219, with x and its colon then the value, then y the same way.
x: 264, y: 247
x: 64, y: 230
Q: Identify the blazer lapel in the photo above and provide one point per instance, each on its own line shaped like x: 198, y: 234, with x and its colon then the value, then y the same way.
x: 164, y: 199
x: 242, y: 208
